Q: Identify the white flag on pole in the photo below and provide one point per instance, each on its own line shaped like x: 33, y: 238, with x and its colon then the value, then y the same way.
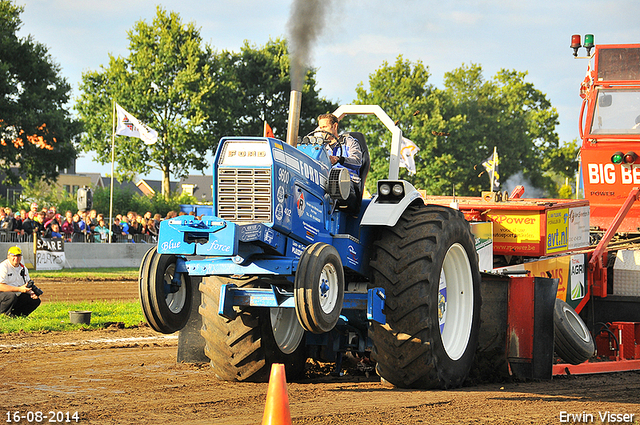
x: 407, y: 151
x: 128, y: 125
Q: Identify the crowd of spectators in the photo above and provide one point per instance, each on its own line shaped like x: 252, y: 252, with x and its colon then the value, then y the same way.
x: 82, y: 226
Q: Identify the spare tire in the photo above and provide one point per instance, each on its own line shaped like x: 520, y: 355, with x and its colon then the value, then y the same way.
x: 573, y: 342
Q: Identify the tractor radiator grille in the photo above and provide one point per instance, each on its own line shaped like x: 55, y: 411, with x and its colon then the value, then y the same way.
x: 244, y: 195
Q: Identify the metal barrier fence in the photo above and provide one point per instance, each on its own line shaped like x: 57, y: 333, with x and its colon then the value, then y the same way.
x: 7, y: 236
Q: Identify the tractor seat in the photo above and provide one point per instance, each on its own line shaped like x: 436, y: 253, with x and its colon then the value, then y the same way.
x: 366, y: 160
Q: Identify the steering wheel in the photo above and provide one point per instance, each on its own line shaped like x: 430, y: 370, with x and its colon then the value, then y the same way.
x: 313, y: 139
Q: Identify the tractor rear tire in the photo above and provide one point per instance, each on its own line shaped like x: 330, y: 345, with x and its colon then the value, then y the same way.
x: 428, y: 266
x: 166, y: 311
x: 573, y: 342
x: 243, y: 349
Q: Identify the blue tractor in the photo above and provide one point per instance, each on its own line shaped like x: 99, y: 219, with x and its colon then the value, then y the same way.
x: 287, y: 274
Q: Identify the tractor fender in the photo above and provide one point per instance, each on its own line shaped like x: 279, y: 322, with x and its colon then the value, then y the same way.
x: 387, y: 213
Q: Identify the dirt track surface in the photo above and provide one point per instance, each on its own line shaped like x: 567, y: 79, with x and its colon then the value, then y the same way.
x: 121, y: 289
x: 130, y: 376
x: 117, y: 376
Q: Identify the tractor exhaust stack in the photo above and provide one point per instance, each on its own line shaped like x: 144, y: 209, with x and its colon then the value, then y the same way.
x: 294, y: 117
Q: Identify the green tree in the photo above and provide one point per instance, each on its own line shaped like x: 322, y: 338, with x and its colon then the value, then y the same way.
x: 506, y: 112
x: 562, y: 166
x: 36, y: 131
x: 259, y: 76
x: 405, y: 94
x: 169, y: 81
x: 125, y: 200
x: 45, y: 195
x: 457, y: 127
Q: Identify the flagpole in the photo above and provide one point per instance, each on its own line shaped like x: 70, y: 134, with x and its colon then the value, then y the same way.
x: 113, y: 156
x: 493, y: 167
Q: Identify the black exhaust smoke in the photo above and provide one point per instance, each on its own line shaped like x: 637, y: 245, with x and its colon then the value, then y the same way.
x: 305, y: 24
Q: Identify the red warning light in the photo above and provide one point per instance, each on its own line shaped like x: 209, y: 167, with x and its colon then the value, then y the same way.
x: 630, y: 157
x: 575, y: 43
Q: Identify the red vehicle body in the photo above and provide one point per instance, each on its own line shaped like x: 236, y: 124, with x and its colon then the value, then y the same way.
x: 610, y: 133
x: 555, y: 237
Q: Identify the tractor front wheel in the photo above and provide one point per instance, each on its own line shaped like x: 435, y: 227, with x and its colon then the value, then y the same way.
x: 319, y: 288
x: 165, y: 295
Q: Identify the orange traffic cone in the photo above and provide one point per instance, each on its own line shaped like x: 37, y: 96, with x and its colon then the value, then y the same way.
x: 276, y: 411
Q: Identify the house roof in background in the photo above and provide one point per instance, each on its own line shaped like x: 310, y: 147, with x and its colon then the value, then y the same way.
x: 202, y: 190
x: 130, y: 186
x: 149, y: 187
x: 96, y: 178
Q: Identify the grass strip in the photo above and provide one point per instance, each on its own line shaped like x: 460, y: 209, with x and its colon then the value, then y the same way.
x: 54, y: 316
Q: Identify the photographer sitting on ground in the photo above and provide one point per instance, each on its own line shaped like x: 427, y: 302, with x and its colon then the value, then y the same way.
x: 18, y: 296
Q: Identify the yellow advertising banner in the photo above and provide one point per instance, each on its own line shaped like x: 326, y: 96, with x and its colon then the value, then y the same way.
x: 557, y: 230
x: 516, y: 232
x: 557, y: 268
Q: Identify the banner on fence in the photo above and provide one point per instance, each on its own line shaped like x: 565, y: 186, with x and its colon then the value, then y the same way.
x: 50, y: 254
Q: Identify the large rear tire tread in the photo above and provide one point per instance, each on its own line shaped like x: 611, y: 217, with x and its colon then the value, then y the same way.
x: 242, y: 349
x: 573, y: 342
x: 407, y: 262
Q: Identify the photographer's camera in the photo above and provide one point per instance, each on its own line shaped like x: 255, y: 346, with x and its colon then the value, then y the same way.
x: 34, y: 288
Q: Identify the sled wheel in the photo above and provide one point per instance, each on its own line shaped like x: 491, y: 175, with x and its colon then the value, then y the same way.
x: 166, y: 303
x: 428, y: 266
x: 246, y: 347
x: 319, y: 288
x: 573, y: 341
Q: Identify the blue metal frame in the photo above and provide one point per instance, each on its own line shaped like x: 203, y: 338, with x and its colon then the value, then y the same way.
x: 274, y: 297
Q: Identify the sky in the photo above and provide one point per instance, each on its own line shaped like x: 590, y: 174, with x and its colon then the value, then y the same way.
x: 359, y: 36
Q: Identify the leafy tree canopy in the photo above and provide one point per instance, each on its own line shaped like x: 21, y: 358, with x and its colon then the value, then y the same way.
x: 262, y: 85
x: 457, y: 127
x: 506, y: 112
x: 167, y: 81
x: 36, y: 131
x: 188, y: 93
x: 405, y: 94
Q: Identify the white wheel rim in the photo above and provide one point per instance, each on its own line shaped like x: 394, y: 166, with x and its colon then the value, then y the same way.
x: 455, y: 301
x: 328, y: 288
x: 576, y: 324
x: 176, y: 300
x: 287, y: 330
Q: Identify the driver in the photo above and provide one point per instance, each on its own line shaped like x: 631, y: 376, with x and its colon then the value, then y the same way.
x: 344, y: 152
